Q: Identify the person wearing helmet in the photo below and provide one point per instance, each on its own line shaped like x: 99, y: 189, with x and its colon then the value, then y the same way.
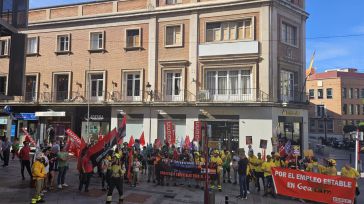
x: 217, y: 162
x: 331, y: 169
x: 116, y: 180
x: 315, y: 167
x: 105, y: 166
x: 349, y: 172
x: 39, y: 174
x: 199, y: 161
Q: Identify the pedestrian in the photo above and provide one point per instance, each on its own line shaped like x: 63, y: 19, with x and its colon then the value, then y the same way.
x: 235, y: 167
x: 243, y: 172
x: 62, y: 167
x: 53, y: 168
x: 45, y: 161
x: 226, y: 166
x: 349, y: 172
x: 87, y: 171
x: 136, y: 169
x: 216, y: 162
x: 199, y: 162
x: 6, y: 145
x: 116, y: 180
x: 315, y: 167
x: 24, y: 156
x: 15, y: 148
x: 257, y: 163
x: 331, y: 169
x: 39, y: 174
x: 267, y: 169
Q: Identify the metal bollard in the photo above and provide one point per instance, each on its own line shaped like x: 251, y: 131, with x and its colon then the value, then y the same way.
x: 226, y: 199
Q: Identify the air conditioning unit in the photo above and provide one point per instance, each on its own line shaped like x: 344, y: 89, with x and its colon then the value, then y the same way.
x: 204, y: 95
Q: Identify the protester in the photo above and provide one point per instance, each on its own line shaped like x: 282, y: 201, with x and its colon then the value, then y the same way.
x: 105, y: 167
x: 315, y: 167
x: 136, y: 169
x: 24, y: 156
x: 45, y: 160
x: 116, y: 180
x: 331, y: 168
x: 39, y: 174
x: 267, y: 169
x: 349, y: 172
x: 87, y: 171
x: 243, y: 170
x: 6, y: 145
x: 217, y: 162
x: 62, y: 168
x: 199, y: 161
x: 259, y: 174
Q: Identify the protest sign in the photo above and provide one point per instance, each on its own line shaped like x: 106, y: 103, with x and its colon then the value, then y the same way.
x: 313, y: 186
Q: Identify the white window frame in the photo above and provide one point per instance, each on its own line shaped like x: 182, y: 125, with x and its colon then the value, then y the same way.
x: 91, y: 40
x: 140, y: 38
x: 7, y: 82
x: 182, y: 35
x: 124, y: 90
x: 54, y: 88
x: 88, y: 85
x: 36, y: 85
x: 237, y: 21
x: 285, y: 40
x: 58, y: 40
x: 291, y: 93
x: 7, y: 47
x: 239, y: 95
x: 36, y: 45
x: 173, y: 97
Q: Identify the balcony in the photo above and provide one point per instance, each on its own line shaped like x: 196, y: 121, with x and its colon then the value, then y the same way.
x: 175, y: 96
x: 228, y: 48
x: 292, y: 96
x: 129, y: 96
x: 232, y: 95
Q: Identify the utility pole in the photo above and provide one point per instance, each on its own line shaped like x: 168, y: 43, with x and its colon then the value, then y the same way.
x: 88, y: 100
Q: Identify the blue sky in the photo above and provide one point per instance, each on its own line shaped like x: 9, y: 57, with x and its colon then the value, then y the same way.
x: 328, y: 18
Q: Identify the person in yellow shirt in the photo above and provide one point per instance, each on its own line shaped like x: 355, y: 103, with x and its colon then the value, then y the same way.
x: 349, y: 172
x: 267, y: 169
x: 277, y: 160
x: 315, y: 167
x: 39, y: 174
x: 199, y: 161
x: 217, y: 161
x: 226, y: 166
x: 256, y: 163
x: 331, y: 169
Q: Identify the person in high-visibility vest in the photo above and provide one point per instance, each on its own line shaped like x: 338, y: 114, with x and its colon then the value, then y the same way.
x: 116, y: 180
x: 39, y: 174
x: 267, y: 169
x: 257, y: 165
x: 315, y: 167
x: 199, y: 161
x: 217, y: 161
x: 349, y: 172
x: 226, y: 166
x: 331, y: 169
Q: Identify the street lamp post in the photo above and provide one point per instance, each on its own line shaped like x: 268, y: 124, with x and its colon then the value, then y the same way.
x: 151, y: 95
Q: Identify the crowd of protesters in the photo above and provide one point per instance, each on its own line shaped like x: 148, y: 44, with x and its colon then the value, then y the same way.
x: 127, y: 164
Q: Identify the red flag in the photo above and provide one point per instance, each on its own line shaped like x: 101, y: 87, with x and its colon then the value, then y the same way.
x: 79, y: 142
x: 142, y: 140
x: 173, y: 138
x: 197, y: 131
x: 168, y: 127
x: 187, y: 142
x: 131, y: 141
x: 122, y: 130
x: 28, y: 137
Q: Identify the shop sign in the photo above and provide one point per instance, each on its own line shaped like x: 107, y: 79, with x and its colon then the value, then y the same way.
x: 24, y: 116
x: 96, y: 117
x: 3, y: 121
x: 291, y: 112
x: 50, y: 114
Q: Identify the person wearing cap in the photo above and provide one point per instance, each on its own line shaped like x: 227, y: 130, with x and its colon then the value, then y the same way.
x: 267, y: 169
x: 331, y: 168
x: 349, y: 172
x: 24, y: 156
x: 217, y: 162
x: 315, y: 167
x: 39, y: 174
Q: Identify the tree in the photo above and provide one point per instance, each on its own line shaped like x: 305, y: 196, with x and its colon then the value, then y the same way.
x: 361, y: 127
x: 349, y: 128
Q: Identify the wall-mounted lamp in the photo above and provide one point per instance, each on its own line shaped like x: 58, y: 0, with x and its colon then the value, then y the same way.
x: 46, y: 85
x: 193, y: 80
x: 114, y: 84
x: 79, y: 84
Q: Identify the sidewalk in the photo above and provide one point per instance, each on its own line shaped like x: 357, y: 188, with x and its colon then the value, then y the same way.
x: 14, y: 190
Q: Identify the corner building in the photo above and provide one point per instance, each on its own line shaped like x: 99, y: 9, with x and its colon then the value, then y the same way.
x: 236, y: 64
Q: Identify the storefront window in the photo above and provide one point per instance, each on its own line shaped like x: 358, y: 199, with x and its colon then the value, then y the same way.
x: 179, y: 125
x: 291, y: 129
x: 96, y: 128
